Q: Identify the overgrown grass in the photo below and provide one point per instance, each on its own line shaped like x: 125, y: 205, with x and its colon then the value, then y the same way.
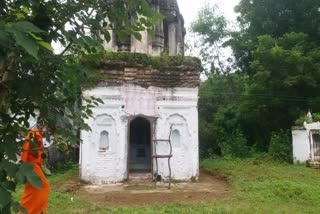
x: 269, y: 186
x: 259, y: 186
x: 63, y: 174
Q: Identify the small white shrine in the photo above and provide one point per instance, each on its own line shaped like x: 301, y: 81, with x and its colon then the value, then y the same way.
x: 144, y: 107
x: 306, y: 143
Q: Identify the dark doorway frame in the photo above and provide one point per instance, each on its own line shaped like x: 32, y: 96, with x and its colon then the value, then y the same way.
x: 152, y: 121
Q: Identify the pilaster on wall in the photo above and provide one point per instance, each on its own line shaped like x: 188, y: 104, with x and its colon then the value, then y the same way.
x: 172, y: 106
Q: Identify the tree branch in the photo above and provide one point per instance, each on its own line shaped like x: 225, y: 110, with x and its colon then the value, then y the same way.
x: 77, y: 30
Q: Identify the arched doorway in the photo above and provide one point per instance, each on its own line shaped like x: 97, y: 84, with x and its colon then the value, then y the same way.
x: 140, y: 145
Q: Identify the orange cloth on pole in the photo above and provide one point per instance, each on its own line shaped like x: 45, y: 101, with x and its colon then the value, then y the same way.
x: 33, y: 199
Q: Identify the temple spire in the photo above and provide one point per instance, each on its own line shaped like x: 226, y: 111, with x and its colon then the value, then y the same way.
x: 169, y: 33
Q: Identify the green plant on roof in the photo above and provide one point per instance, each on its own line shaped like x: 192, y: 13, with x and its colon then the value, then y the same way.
x: 305, y: 118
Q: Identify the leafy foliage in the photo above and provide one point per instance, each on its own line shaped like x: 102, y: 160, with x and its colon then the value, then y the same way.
x: 277, y: 64
x: 316, y: 117
x: 280, y: 148
x: 211, y: 28
x: 218, y: 112
x: 235, y: 145
x: 300, y: 121
x: 33, y: 77
x: 274, y: 18
x: 210, y: 25
x: 285, y: 83
x: 304, y: 118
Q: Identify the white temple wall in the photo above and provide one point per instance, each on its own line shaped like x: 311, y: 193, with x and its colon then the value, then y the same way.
x: 177, y: 106
x: 300, y: 145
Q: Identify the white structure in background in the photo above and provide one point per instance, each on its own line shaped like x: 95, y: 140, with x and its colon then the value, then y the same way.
x: 141, y: 103
x: 306, y: 143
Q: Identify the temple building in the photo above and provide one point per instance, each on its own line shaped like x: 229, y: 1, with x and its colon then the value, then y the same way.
x: 148, y: 123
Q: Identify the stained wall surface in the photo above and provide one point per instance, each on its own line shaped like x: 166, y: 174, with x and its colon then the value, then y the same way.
x: 300, y: 145
x: 172, y: 106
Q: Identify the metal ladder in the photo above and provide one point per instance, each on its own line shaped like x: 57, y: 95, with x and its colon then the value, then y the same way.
x: 156, y: 156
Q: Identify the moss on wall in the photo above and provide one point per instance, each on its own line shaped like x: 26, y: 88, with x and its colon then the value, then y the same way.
x: 144, y: 70
x: 162, y: 63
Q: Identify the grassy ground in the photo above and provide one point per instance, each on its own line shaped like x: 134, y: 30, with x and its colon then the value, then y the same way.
x: 268, y: 187
x: 260, y: 186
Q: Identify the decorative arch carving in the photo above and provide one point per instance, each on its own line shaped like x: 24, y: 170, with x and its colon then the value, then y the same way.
x: 104, y: 120
x: 179, y: 124
x: 105, y: 133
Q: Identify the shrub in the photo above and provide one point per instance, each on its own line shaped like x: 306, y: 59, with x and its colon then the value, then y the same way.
x: 301, y: 120
x: 316, y: 117
x: 304, y: 118
x: 280, y: 148
x: 235, y: 145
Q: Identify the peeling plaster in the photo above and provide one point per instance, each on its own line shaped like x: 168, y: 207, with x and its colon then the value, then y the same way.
x: 111, y: 166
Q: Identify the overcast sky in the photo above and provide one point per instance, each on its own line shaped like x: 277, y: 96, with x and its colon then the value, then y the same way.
x: 189, y: 8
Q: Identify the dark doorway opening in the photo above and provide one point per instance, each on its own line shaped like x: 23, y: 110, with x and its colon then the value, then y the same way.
x: 140, y: 145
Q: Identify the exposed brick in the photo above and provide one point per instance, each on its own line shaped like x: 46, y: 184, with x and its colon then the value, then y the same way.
x: 118, y: 73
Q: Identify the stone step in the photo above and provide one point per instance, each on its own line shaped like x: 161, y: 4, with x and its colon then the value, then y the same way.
x: 136, y: 177
x: 314, y: 164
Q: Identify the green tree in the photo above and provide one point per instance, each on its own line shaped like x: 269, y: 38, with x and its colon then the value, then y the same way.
x: 274, y: 18
x: 285, y: 83
x: 33, y: 77
x: 211, y: 30
x: 221, y: 92
x: 277, y: 46
x: 276, y: 52
x: 280, y: 148
x: 220, y: 96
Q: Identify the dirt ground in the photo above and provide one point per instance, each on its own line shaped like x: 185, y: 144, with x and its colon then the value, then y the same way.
x: 208, y: 188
